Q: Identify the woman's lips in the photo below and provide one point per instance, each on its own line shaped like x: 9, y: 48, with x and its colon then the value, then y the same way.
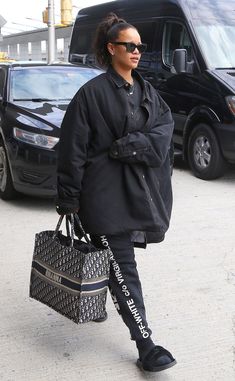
x: 135, y: 60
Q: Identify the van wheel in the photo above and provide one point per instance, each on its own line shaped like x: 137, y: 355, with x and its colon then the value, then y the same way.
x: 204, y: 156
x: 7, y: 191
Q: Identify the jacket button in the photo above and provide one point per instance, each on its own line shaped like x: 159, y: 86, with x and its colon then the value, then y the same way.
x: 134, y: 153
x: 115, y: 153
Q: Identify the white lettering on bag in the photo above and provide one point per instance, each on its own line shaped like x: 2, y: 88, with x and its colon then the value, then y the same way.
x: 56, y: 278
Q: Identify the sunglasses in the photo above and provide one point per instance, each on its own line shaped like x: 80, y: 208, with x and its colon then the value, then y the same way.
x: 130, y: 46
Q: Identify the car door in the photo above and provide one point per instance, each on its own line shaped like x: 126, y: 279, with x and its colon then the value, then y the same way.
x: 178, y: 90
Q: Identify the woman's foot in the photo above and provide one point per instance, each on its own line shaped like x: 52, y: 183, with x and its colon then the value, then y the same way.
x: 156, y: 360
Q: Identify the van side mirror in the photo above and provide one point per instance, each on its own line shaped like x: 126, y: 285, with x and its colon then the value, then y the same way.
x: 179, y: 61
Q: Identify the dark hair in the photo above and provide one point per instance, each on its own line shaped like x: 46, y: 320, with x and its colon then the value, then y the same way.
x: 108, y: 30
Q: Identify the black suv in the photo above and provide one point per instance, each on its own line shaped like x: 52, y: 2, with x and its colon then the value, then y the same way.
x: 33, y: 100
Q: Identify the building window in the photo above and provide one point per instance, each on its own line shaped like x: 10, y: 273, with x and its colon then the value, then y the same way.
x: 43, y: 46
x: 60, y: 45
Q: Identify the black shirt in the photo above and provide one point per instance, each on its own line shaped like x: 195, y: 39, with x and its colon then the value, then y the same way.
x: 137, y: 116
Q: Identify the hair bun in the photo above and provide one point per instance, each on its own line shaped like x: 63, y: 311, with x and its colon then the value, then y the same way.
x: 112, y: 19
x: 108, y: 30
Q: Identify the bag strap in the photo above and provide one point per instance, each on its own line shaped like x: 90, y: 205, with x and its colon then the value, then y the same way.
x: 69, y: 228
x: 58, y: 226
x: 69, y: 221
x: 71, y: 232
x: 77, y: 219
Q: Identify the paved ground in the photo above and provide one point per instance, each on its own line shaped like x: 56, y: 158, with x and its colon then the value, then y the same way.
x: 189, y: 288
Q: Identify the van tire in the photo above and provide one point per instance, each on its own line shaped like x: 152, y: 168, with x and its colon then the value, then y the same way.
x: 7, y: 191
x: 204, y: 155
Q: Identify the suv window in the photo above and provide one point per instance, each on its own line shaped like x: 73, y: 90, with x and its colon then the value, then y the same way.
x: 175, y: 36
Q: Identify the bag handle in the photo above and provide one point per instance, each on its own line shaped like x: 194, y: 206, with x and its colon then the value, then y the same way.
x: 70, y: 227
x: 58, y: 226
x: 77, y: 219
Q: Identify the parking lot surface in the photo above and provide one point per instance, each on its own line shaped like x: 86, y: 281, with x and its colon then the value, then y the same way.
x: 188, y: 283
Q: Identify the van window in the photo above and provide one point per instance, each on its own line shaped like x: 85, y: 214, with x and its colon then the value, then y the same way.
x: 147, y: 33
x: 216, y: 39
x: 85, y: 37
x: 84, y: 40
x: 175, y: 36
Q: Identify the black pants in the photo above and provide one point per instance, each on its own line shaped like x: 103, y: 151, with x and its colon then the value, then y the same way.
x: 124, y: 284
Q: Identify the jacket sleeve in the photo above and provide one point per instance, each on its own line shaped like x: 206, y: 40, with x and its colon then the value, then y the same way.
x: 72, y: 155
x: 151, y: 147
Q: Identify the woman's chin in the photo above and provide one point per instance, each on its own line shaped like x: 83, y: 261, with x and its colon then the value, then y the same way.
x: 134, y: 65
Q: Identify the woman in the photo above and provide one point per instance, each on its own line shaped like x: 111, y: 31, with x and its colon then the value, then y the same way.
x: 114, y: 171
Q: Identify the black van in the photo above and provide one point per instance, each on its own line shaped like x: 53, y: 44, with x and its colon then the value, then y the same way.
x: 190, y: 59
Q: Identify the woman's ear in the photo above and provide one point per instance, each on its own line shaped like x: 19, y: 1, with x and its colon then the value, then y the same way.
x: 110, y: 48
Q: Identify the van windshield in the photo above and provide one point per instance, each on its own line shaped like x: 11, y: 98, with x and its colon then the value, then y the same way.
x: 217, y: 41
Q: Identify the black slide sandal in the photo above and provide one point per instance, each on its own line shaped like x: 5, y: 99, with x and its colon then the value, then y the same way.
x: 157, y: 359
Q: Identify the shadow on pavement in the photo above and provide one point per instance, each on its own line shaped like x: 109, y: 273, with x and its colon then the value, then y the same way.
x: 183, y: 166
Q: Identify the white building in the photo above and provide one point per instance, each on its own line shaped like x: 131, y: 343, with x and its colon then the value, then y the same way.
x: 33, y: 45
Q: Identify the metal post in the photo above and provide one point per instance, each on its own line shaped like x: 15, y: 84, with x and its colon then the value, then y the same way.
x: 51, y: 31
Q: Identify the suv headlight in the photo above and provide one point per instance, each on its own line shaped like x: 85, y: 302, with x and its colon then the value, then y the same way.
x: 38, y: 140
x: 231, y: 103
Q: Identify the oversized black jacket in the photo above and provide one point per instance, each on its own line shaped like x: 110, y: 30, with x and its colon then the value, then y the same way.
x: 120, y: 180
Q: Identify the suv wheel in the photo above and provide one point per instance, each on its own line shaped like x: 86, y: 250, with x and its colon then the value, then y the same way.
x: 205, y: 159
x: 7, y: 191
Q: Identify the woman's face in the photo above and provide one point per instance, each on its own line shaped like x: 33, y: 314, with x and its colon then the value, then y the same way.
x: 121, y: 58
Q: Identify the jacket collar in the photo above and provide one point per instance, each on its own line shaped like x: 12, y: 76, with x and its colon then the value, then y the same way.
x: 120, y: 82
